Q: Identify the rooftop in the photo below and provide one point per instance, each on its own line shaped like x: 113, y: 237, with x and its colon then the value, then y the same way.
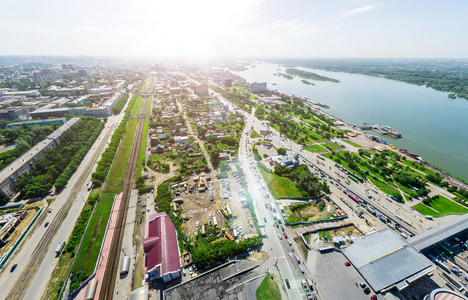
x: 161, y: 248
x: 385, y: 260
x: 439, y: 233
x: 19, y: 162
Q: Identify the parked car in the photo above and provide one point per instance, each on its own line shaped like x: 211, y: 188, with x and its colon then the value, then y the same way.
x: 347, y: 263
x: 13, y: 268
x: 46, y: 224
x: 373, y: 297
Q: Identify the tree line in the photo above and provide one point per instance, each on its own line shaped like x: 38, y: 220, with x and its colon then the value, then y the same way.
x: 58, y: 163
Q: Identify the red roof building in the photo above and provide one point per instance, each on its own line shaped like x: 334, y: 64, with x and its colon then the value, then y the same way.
x: 162, y: 249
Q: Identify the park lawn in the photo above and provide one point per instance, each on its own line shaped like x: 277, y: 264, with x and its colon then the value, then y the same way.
x: 352, y: 143
x: 268, y: 290
x: 315, y: 148
x: 384, y: 187
x: 418, y: 167
x: 426, y: 210
x: 137, y: 106
x: 143, y: 88
x: 447, y: 207
x: 280, y: 186
x: 255, y: 134
x: 89, y: 251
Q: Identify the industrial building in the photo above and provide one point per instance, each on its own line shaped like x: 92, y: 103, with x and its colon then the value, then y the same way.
x: 162, y: 249
x: 25, y: 162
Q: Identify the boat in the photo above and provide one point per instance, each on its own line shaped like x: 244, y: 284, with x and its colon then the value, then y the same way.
x: 273, y: 83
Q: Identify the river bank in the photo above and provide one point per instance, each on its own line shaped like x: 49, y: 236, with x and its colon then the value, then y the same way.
x: 432, y: 125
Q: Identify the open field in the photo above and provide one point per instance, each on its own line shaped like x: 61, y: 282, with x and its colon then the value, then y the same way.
x: 268, y: 290
x: 280, y: 186
x: 315, y: 148
x: 443, y: 206
x: 426, y: 210
x: 352, y: 143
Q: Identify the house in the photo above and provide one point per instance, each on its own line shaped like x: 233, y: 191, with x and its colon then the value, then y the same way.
x: 157, y: 150
x: 162, y: 136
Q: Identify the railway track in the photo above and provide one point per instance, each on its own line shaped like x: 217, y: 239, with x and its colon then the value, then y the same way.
x: 110, y: 273
x: 19, y: 288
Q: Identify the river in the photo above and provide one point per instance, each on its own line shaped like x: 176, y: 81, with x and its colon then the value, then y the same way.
x: 432, y: 125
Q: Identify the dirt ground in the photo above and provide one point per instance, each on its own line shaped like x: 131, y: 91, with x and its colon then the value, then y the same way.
x: 312, y: 211
x: 266, y: 149
x: 197, y: 207
x: 348, y: 230
x: 241, y: 213
x: 12, y: 238
x: 259, y: 257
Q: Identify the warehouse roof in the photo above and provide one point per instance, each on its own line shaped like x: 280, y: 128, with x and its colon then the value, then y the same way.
x: 161, y: 248
x: 385, y: 260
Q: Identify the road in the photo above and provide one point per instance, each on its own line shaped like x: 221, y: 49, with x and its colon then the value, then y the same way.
x: 76, y: 189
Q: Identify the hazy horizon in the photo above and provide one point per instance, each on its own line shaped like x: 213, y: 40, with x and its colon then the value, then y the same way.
x: 246, y: 29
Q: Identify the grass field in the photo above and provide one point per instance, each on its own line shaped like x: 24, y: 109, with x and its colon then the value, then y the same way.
x: 280, y: 186
x: 426, y: 210
x: 268, y: 290
x: 447, y: 207
x: 352, y: 143
x: 89, y: 251
x: 315, y: 148
x: 117, y: 172
x: 255, y: 134
x: 137, y: 106
x: 143, y: 147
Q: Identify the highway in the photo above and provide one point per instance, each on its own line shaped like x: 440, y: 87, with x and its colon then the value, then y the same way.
x: 277, y: 247
x: 44, y: 261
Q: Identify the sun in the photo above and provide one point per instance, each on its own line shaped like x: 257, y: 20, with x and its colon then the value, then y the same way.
x: 196, y: 28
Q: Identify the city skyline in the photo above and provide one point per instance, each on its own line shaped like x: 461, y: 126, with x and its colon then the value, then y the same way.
x: 212, y: 29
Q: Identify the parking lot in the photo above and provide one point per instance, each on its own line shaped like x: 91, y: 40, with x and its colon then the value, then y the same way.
x: 337, y: 281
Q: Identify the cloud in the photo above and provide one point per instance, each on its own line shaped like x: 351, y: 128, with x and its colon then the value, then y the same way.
x: 360, y: 10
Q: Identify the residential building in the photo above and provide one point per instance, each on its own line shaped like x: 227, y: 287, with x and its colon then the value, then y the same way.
x: 201, y: 90
x: 258, y: 87
x: 13, y: 113
x: 24, y: 164
x: 39, y: 122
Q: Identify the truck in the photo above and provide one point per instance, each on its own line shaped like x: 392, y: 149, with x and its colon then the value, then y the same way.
x: 215, y: 222
x: 229, y: 236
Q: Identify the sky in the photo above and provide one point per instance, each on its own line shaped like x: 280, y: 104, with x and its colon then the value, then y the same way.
x: 239, y: 28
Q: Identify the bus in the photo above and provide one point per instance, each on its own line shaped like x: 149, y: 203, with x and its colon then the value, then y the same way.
x: 446, y: 250
x: 353, y: 178
x: 354, y: 198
